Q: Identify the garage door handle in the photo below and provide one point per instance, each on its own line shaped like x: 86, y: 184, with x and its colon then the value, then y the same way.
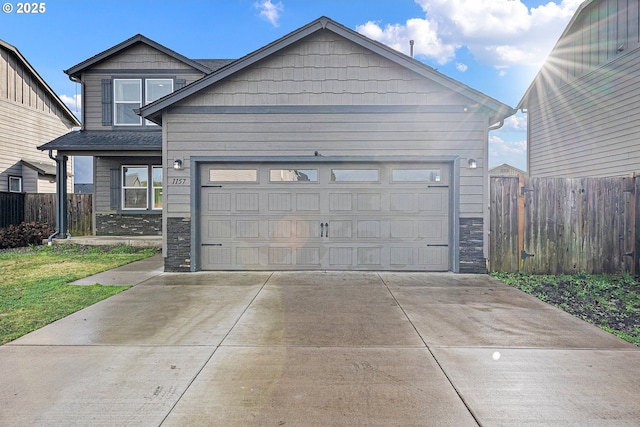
x: 321, y: 230
x: 326, y: 224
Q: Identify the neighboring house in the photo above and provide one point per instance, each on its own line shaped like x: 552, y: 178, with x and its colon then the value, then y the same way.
x: 583, y: 107
x: 505, y: 170
x: 30, y: 115
x: 321, y: 150
x: 83, y: 188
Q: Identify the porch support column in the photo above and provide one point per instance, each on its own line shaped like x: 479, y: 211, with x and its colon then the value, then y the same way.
x: 62, y: 224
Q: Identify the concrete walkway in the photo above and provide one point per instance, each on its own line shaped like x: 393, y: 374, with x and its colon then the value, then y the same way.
x: 319, y: 349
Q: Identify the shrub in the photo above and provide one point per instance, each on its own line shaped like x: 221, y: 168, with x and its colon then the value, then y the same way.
x: 24, y: 234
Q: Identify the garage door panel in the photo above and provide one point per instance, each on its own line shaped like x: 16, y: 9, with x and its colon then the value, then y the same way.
x: 217, y: 256
x: 248, y: 256
x: 402, y: 202
x: 401, y: 256
x: 434, y: 202
x: 341, y: 229
x: 218, y: 229
x: 432, y: 229
x: 340, y: 202
x: 247, y: 202
x: 340, y: 256
x: 280, y: 229
x: 369, y: 229
x: 402, y: 229
x: 249, y: 229
x: 369, y: 202
x: 281, y: 256
x: 279, y: 202
x: 216, y: 202
x: 308, y: 256
x: 308, y: 202
x: 432, y: 256
x: 369, y: 256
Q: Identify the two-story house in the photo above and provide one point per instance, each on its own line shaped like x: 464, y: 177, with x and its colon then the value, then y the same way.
x: 583, y: 106
x: 321, y: 150
x: 30, y: 115
x: 127, y: 149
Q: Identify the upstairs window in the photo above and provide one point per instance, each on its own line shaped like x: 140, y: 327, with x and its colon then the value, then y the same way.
x: 156, y: 89
x: 131, y: 94
x: 127, y: 97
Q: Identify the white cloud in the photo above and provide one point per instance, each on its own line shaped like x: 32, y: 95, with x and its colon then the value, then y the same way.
x: 515, y: 123
x: 461, y: 67
x: 498, y: 146
x: 423, y: 32
x: 496, y: 32
x: 270, y: 11
x: 74, y: 103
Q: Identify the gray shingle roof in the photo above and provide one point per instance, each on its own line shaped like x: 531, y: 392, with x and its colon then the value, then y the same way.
x: 41, y: 167
x: 215, y: 64
x: 99, y: 140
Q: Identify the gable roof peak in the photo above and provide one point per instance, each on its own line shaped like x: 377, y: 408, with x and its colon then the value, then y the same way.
x: 324, y: 23
x: 63, y: 107
x: 75, y: 71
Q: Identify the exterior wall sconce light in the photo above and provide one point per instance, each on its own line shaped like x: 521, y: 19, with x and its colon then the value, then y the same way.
x: 473, y: 164
x: 177, y: 164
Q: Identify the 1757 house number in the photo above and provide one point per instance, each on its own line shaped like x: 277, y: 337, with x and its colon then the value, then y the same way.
x: 178, y: 181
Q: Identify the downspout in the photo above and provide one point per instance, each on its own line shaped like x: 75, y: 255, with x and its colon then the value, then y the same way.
x: 61, y: 197
x: 497, y: 125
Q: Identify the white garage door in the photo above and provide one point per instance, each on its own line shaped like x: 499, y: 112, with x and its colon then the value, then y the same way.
x: 373, y: 216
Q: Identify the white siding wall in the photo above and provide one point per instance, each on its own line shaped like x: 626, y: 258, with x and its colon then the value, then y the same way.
x: 28, y: 118
x: 584, y: 106
x: 588, y: 128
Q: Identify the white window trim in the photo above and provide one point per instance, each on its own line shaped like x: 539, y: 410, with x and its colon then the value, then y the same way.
x: 152, y: 199
x: 123, y: 188
x: 116, y: 102
x: 150, y: 188
x: 19, y: 179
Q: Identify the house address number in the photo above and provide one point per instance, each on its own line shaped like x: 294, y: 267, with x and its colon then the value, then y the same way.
x: 179, y: 181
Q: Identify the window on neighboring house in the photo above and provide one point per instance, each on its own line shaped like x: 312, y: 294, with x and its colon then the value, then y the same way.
x: 127, y: 97
x: 15, y: 184
x: 138, y: 191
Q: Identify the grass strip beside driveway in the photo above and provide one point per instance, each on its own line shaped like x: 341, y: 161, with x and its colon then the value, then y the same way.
x: 609, y: 301
x: 34, y: 283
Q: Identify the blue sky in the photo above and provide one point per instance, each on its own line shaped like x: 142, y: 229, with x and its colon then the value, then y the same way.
x: 495, y: 46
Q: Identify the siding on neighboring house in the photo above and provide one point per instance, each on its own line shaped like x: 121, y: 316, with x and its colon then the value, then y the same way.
x: 138, y: 61
x: 584, y: 105
x: 346, y: 101
x: 29, y: 117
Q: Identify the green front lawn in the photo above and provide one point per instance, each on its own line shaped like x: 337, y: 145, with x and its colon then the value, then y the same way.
x: 611, y: 302
x: 34, y: 283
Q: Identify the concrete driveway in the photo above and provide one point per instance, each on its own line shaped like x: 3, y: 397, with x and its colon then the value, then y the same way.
x: 319, y: 349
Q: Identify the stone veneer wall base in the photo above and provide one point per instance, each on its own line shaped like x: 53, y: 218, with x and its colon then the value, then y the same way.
x: 178, y: 257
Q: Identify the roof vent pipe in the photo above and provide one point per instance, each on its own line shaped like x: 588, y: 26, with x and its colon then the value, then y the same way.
x: 411, y: 47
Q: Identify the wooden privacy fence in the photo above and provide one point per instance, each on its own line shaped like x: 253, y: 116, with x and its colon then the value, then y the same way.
x: 42, y: 208
x: 11, y: 209
x: 564, y: 225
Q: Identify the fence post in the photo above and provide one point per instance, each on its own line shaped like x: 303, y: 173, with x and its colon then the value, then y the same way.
x: 635, y: 267
x: 520, y: 221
